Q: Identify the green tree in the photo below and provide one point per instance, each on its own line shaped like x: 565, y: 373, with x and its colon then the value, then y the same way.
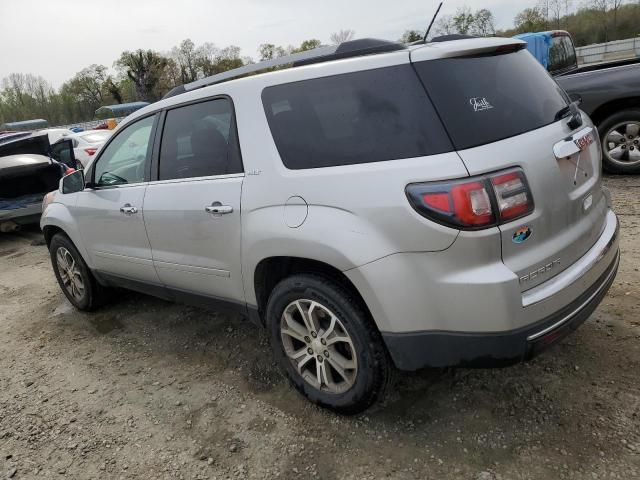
x: 269, y: 51
x: 410, y: 36
x: 463, y: 20
x: 530, y: 20
x: 145, y: 68
x: 88, y: 86
x: 307, y: 45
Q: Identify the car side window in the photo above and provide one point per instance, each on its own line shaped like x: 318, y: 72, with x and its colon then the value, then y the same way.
x: 123, y: 160
x: 198, y: 140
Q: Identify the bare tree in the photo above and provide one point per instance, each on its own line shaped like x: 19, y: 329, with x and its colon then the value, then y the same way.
x: 602, y: 7
x: 555, y: 11
x: 615, y: 6
x: 543, y: 5
x: 567, y: 10
x: 483, y: 23
x: 341, y: 36
x: 444, y: 26
x: 186, y: 57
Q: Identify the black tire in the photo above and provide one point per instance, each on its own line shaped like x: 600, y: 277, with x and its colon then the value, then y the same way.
x: 632, y: 115
x: 373, y: 365
x: 94, y: 294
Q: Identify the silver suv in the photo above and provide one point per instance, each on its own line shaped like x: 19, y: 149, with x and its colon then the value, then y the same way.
x: 373, y: 206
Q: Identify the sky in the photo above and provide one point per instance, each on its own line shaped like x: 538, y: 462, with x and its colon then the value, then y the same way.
x: 57, y: 38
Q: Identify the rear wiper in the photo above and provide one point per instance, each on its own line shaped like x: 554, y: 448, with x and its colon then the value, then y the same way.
x: 571, y: 109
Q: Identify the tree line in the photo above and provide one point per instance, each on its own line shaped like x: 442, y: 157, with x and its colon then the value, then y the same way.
x: 147, y: 74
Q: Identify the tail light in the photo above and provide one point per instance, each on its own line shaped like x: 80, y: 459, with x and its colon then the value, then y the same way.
x: 473, y: 203
x: 512, y: 195
x: 90, y: 151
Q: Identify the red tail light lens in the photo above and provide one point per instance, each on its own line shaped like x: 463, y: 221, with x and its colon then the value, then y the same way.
x: 90, y: 151
x: 473, y: 203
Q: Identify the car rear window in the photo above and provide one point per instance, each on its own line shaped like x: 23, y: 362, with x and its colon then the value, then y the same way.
x: 353, y: 118
x: 483, y: 99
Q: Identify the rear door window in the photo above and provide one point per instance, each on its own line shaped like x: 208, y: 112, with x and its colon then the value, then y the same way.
x: 198, y: 141
x: 483, y: 99
x: 360, y: 117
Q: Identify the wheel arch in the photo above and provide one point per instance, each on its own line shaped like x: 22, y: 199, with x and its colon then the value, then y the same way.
x: 612, y: 107
x: 271, y: 270
x: 49, y: 231
x: 58, y: 219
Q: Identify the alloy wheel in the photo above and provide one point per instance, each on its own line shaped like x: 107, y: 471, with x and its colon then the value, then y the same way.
x: 70, y: 273
x: 622, y: 144
x: 318, y: 346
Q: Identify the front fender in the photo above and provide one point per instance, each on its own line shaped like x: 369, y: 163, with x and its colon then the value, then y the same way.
x: 58, y: 215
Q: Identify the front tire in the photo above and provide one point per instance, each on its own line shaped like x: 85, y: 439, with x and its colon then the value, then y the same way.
x: 326, y: 344
x: 620, y: 137
x: 74, y: 277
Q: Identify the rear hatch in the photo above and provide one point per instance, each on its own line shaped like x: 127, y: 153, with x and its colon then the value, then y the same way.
x: 500, y: 109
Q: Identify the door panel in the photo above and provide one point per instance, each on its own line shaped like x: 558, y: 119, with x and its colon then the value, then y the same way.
x: 116, y: 241
x: 109, y: 212
x: 192, y: 213
x: 194, y: 250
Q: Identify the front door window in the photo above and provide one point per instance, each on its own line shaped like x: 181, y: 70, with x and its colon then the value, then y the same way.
x: 124, y: 159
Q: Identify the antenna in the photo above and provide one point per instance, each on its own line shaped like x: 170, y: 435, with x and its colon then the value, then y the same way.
x: 431, y: 24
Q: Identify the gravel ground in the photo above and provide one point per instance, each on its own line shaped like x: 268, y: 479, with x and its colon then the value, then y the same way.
x: 148, y: 389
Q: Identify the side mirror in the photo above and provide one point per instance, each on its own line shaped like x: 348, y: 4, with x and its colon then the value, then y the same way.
x: 62, y: 151
x: 576, y: 98
x: 72, y: 183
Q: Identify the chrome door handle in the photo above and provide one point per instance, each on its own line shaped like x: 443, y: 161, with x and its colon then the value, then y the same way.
x: 217, y: 208
x: 127, y: 209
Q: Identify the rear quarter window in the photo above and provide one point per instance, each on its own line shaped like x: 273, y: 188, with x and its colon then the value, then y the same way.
x: 353, y: 118
x: 483, y: 99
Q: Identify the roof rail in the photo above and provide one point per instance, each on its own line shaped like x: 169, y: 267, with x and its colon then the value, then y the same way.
x: 353, y: 48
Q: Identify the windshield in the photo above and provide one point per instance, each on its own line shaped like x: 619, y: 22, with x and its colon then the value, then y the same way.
x: 483, y: 99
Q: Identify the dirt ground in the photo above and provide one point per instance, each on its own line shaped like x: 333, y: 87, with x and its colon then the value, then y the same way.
x: 148, y: 389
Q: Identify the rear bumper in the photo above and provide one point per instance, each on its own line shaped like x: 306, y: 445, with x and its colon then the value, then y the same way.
x: 526, y: 322
x: 29, y: 213
x: 412, y: 351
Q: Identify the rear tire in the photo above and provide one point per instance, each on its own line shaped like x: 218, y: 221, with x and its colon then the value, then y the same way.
x: 73, y: 275
x: 336, y: 357
x: 620, y: 138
